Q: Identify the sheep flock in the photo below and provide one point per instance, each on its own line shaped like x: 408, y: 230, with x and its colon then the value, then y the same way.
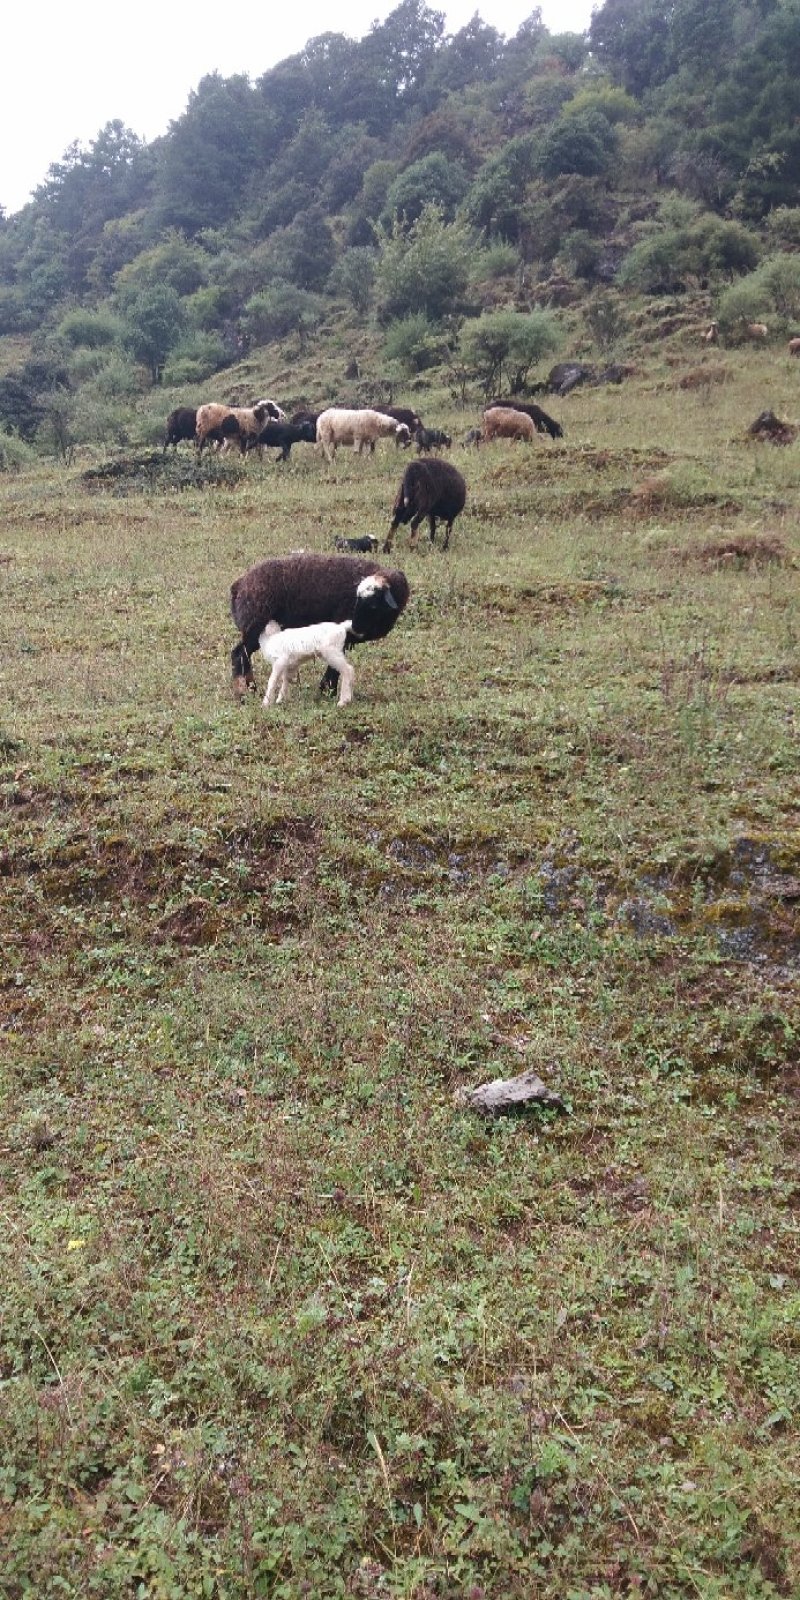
x: 290, y: 609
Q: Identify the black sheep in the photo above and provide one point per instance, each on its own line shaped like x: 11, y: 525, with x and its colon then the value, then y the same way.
x: 282, y: 435
x: 181, y: 424
x: 430, y: 488
x: 541, y: 421
x: 294, y: 591
x: 431, y: 439
x: 412, y: 420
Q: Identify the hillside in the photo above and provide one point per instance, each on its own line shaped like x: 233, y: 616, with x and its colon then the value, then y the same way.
x: 282, y: 1316
x: 418, y: 184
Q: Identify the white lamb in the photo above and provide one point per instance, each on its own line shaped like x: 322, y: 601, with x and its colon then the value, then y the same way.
x: 286, y: 649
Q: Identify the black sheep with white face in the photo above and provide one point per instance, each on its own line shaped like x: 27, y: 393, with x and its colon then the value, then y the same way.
x: 295, y: 591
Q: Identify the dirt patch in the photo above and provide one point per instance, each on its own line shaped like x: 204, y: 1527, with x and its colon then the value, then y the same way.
x: 770, y: 429
x: 740, y: 550
x: 141, y: 474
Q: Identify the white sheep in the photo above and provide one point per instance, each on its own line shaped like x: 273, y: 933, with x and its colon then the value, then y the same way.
x: 287, y: 649
x: 361, y: 429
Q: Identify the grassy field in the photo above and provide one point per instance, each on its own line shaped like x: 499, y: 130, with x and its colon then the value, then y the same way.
x: 280, y: 1317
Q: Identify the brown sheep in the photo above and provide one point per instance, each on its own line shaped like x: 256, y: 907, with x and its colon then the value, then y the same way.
x: 216, y: 423
x: 756, y: 330
x: 794, y: 347
x: 499, y: 422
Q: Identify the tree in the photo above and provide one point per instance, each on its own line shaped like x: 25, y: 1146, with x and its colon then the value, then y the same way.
x: 174, y: 264
x: 426, y: 269
x: 211, y: 153
x: 632, y: 39
x: 155, y: 322
x: 354, y: 277
x: 510, y: 342
x: 581, y: 142
x: 434, y: 180
x: 494, y: 201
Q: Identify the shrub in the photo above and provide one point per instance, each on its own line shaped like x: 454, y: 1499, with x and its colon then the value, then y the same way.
x: 196, y: 357
x: 783, y: 225
x: 413, y: 343
x: 773, y: 289
x: 279, y: 310
x: 94, y: 330
x: 698, y: 245
x: 14, y: 453
x: 497, y: 260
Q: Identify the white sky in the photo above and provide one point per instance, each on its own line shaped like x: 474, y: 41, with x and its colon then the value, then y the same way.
x: 70, y: 66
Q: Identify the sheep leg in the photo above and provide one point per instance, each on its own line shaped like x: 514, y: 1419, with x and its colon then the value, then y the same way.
x: 415, y: 522
x: 338, y: 662
x: 432, y: 526
x: 448, y: 531
x: 276, y: 688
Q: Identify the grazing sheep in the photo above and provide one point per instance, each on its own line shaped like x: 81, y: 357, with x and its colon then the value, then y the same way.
x: 282, y: 435
x: 361, y: 429
x: 431, y: 439
x: 297, y: 590
x: 412, y: 420
x: 794, y: 347
x: 430, y: 488
x: 363, y: 546
x: 329, y: 640
x: 218, y: 423
x: 473, y: 436
x: 500, y: 422
x: 756, y: 330
x: 711, y: 335
x: 540, y: 419
x: 181, y: 424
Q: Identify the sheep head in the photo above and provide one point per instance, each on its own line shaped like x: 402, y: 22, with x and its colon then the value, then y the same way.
x: 373, y: 598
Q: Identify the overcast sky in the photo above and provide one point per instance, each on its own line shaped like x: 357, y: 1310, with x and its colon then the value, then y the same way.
x: 70, y: 66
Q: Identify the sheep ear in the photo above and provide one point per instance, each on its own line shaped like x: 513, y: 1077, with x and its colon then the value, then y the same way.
x: 390, y: 600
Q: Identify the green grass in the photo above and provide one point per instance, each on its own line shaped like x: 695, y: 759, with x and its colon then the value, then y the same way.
x: 279, y: 1318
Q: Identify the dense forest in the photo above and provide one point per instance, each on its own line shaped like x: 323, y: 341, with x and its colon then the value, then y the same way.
x: 455, y: 193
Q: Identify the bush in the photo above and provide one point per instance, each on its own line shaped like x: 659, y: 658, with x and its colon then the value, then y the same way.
x: 195, y: 358
x: 772, y: 290
x: 15, y: 454
x: 783, y: 225
x: 92, y: 330
x: 498, y: 260
x: 354, y: 277
x: 697, y: 246
x: 413, y: 343
x: 279, y: 310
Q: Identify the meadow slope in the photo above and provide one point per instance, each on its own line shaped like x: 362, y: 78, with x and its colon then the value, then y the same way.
x: 279, y: 1318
